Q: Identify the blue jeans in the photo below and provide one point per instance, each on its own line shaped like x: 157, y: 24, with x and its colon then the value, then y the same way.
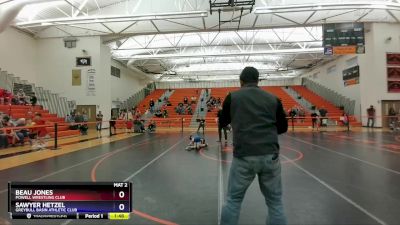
x: 372, y: 121
x: 242, y: 173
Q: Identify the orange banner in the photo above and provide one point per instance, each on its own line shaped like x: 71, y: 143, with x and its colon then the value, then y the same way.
x: 351, y: 82
x: 344, y: 50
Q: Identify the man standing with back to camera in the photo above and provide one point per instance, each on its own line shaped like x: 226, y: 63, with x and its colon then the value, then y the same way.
x: 257, y: 118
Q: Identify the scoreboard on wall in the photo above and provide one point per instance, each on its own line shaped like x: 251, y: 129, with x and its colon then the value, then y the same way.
x: 70, y: 200
x: 343, y: 38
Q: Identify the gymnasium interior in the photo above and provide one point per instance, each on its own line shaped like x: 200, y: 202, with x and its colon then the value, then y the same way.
x: 98, y: 91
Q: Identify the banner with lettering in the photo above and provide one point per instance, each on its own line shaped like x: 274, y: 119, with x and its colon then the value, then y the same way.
x: 91, y: 84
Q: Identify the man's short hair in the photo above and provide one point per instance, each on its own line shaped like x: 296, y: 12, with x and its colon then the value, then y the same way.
x: 249, y: 75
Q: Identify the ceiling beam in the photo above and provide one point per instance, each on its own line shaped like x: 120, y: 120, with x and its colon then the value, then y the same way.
x: 73, y: 6
x: 255, y: 21
x: 182, y: 24
x: 112, y: 38
x: 309, y: 17
x: 393, y: 16
x: 110, y: 19
x: 85, y: 28
x: 365, y: 14
x: 287, y: 19
x: 108, y: 28
x: 126, y: 28
x: 82, y: 5
x: 225, y: 54
x: 155, y: 26
x: 327, y: 7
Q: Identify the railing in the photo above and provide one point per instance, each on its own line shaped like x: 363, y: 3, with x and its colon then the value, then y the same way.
x: 51, y: 101
x: 332, y: 96
x: 304, y: 103
x: 138, y: 96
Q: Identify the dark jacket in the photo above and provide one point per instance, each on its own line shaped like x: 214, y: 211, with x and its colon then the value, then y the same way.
x: 257, y: 118
x: 219, y: 115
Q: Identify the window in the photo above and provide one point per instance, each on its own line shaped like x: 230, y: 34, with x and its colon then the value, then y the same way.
x: 115, y: 72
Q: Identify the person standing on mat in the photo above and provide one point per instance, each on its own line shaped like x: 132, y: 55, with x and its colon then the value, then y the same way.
x: 220, y: 128
x: 371, y: 116
x: 99, y: 123
x: 202, y: 124
x: 257, y: 117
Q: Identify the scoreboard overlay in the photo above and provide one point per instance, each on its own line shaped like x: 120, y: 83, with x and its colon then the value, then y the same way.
x: 70, y: 200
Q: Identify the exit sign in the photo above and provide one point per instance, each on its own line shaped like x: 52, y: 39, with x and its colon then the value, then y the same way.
x: 83, y: 61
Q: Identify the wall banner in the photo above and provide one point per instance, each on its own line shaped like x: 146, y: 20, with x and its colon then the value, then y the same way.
x: 393, y: 72
x: 91, y: 87
x: 351, y: 76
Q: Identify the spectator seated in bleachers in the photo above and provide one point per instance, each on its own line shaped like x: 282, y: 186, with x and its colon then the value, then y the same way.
x: 180, y: 109
x: 20, y: 135
x: 10, y: 134
x: 344, y: 119
x: 3, y: 134
x: 152, y: 126
x: 218, y: 102
x: 129, y: 126
x: 138, y: 126
x: 33, y: 99
x: 213, y: 103
x: 122, y: 115
x: 21, y: 97
x: 70, y: 119
x: 165, y: 113
x: 130, y: 115
x: 189, y: 110
x: 137, y: 113
x: 193, y: 100
x: 2, y: 92
x: 151, y: 104
x: 158, y: 113
x: 5, y: 97
x: 185, y: 100
x: 80, y: 119
x: 166, y: 101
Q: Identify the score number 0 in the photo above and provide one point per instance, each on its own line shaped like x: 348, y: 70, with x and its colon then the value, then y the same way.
x: 121, y: 194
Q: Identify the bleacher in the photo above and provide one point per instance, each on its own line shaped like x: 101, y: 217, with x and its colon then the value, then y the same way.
x: 319, y: 102
x: 174, y: 119
x: 143, y: 106
x: 217, y: 93
x: 288, y: 102
x: 155, y: 95
x: 25, y: 111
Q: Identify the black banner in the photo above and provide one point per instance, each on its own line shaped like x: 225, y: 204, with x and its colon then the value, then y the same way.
x: 351, y: 76
x: 83, y: 61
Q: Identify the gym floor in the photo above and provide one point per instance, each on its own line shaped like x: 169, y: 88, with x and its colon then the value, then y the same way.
x: 328, y: 178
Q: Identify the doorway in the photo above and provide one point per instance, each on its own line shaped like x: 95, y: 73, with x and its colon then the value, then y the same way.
x: 386, y: 105
x: 91, y: 113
